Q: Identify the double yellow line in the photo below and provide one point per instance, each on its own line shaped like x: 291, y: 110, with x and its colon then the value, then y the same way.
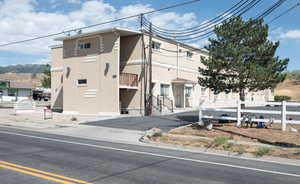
x: 41, y: 174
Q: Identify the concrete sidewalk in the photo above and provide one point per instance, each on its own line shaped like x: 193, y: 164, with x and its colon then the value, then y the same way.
x: 99, y: 133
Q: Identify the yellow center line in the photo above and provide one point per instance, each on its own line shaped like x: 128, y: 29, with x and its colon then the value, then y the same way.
x: 35, y: 174
x: 40, y: 173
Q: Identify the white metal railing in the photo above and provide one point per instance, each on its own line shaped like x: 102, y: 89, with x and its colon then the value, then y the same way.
x: 238, y: 111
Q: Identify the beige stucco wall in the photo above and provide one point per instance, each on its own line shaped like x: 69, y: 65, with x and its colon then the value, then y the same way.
x: 100, y: 66
x: 56, y: 78
x: 111, y: 54
x: 131, y: 49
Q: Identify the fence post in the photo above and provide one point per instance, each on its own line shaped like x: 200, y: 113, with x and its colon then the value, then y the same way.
x: 200, y: 115
x: 160, y: 105
x: 238, y: 114
x: 283, y: 116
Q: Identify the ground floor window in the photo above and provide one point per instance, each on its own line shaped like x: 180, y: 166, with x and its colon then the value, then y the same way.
x: 12, y: 92
x: 82, y: 81
x: 164, y: 89
x: 188, y: 91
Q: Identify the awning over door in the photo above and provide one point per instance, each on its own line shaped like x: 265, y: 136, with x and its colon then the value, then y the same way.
x: 183, y: 81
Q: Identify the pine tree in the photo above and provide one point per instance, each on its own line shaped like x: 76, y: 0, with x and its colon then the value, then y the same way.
x: 241, y: 57
x: 46, y: 81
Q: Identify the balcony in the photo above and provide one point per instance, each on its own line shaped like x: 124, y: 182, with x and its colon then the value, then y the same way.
x: 128, y: 81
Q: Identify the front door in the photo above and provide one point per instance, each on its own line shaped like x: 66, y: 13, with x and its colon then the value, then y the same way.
x: 178, y: 94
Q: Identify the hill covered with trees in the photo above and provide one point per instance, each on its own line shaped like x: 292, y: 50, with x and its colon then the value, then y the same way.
x: 26, y: 68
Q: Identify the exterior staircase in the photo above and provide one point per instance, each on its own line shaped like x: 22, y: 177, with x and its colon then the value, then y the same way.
x: 161, y: 105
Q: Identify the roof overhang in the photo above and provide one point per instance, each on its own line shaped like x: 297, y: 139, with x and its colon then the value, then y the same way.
x: 183, y: 81
x: 121, y: 31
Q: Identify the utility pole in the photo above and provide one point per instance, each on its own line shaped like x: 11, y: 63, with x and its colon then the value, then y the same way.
x: 150, y: 71
x: 144, y: 68
x: 177, y: 60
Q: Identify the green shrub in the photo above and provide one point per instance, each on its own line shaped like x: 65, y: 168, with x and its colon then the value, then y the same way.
x: 241, y: 150
x: 218, y: 141
x: 227, y: 146
x: 282, y: 98
x: 297, y: 152
x: 73, y: 119
x: 262, y: 151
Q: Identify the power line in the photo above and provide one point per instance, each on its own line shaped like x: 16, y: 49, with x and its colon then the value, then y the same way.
x: 240, y: 12
x: 207, y: 34
x: 222, y: 15
x: 98, y: 24
x: 283, y: 13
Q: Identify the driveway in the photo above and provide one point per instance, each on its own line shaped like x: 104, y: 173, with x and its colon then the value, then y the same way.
x: 165, y: 122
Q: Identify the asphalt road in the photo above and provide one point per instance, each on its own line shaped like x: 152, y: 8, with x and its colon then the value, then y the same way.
x: 104, y: 162
x: 168, y: 122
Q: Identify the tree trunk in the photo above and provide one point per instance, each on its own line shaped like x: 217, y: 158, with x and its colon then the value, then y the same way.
x: 242, y: 97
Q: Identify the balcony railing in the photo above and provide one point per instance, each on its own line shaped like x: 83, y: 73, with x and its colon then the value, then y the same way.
x: 128, y: 80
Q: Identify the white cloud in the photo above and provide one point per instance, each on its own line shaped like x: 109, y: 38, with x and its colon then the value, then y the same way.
x: 74, y: 1
x: 21, y: 19
x: 291, y: 34
x: 172, y: 20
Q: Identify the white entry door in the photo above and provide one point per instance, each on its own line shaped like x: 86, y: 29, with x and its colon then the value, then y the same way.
x: 178, y: 96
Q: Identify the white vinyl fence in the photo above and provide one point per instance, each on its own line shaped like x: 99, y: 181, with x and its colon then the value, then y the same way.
x: 235, y: 107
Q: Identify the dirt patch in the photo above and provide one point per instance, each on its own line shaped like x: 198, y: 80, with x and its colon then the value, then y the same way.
x: 289, y: 88
x: 272, y: 136
x: 283, y: 144
x: 291, y: 153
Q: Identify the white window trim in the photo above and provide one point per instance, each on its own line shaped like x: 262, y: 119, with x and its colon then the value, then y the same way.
x: 169, y: 86
x: 189, y: 58
x: 81, y: 85
x: 156, y: 50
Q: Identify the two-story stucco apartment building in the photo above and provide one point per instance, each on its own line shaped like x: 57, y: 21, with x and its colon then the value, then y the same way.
x: 103, y: 72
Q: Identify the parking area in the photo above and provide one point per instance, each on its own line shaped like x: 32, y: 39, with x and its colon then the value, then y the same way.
x: 168, y: 122
x: 165, y: 122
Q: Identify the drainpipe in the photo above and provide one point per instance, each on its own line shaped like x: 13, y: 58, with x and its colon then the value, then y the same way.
x: 177, y: 60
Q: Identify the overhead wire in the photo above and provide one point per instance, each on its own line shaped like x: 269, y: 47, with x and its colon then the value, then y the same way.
x: 99, y: 24
x: 201, y: 29
x: 263, y: 13
x: 209, y: 27
x: 222, y: 15
x: 283, y: 13
x: 207, y: 34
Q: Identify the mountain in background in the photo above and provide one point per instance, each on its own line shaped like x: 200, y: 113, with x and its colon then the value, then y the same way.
x: 27, y: 68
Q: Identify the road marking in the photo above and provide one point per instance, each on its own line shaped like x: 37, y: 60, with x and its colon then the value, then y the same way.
x: 156, y: 155
x: 35, y: 174
x: 42, y: 172
x: 178, y: 149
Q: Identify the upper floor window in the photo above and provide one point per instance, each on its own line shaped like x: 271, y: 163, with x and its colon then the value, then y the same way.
x: 84, y: 45
x: 156, y: 45
x: 189, y: 55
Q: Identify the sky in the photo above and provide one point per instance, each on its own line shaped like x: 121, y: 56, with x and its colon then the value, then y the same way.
x: 24, y: 19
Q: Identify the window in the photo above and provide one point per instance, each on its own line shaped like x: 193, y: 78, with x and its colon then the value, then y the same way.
x: 156, y: 45
x: 82, y: 81
x: 84, y: 45
x: 189, y: 55
x: 188, y: 91
x: 12, y: 92
x: 164, y: 89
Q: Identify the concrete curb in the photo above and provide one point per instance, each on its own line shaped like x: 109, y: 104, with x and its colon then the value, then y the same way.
x: 245, y: 156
